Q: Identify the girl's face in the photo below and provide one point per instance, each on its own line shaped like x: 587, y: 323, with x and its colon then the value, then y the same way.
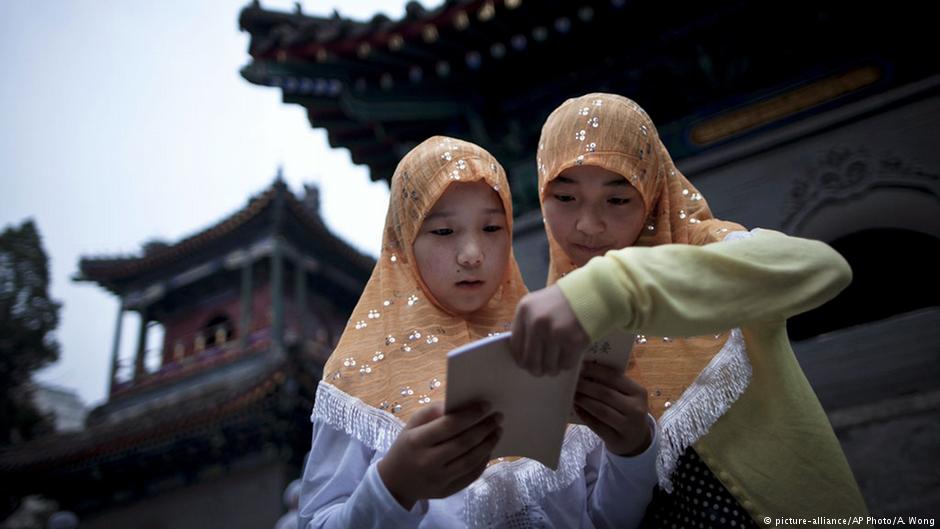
x: 462, y: 248
x: 591, y: 210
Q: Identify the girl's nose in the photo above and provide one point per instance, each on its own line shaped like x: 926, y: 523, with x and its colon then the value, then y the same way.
x: 589, y: 223
x: 470, y: 255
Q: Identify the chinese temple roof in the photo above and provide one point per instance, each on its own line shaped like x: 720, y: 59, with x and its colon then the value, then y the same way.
x: 490, y: 71
x: 113, y: 272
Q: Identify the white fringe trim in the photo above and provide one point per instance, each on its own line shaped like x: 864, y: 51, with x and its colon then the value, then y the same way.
x: 715, y: 389
x: 504, y: 488
x: 508, y: 488
x: 371, y: 426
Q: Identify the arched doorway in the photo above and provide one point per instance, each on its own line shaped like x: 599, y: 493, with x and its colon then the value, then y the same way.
x: 894, y: 271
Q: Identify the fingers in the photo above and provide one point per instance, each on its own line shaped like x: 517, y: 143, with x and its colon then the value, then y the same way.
x: 469, y: 467
x: 616, y: 416
x: 469, y: 440
x: 546, y: 335
x: 529, y: 332
x: 604, y: 394
x: 571, y: 351
x: 451, y: 424
x: 461, y: 482
x: 607, y: 416
x: 631, y: 387
x: 602, y: 430
x: 532, y: 352
x: 472, y: 450
x: 612, y: 378
x: 426, y: 415
x: 615, y: 390
x: 599, y: 372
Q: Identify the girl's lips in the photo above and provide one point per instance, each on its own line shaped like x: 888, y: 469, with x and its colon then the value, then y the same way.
x: 469, y: 284
x: 591, y: 249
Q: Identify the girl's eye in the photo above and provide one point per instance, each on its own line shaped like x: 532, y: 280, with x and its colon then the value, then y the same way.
x: 619, y: 201
x: 564, y: 198
x: 492, y: 228
x: 442, y: 231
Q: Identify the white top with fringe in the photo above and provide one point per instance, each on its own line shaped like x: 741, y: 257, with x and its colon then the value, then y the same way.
x: 592, y: 488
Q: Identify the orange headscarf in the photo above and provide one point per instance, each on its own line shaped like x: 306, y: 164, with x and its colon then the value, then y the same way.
x: 392, y: 354
x: 614, y: 133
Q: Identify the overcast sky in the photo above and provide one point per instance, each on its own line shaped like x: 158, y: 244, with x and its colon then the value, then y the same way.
x: 126, y: 121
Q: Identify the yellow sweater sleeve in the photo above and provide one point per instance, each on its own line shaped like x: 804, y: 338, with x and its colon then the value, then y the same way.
x: 686, y: 290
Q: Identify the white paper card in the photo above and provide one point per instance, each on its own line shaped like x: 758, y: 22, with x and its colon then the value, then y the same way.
x: 536, y: 410
x: 533, y: 418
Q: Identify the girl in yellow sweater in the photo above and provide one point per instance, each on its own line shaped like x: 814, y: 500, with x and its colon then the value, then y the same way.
x: 744, y: 440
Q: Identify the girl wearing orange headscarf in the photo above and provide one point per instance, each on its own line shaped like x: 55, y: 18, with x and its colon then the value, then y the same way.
x: 383, y: 453
x: 633, y: 244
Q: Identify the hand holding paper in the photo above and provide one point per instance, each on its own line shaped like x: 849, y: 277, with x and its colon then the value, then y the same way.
x: 536, y: 409
x: 546, y: 334
x: 447, y: 451
x: 615, y: 407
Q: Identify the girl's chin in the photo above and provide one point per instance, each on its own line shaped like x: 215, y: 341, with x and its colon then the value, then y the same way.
x: 578, y: 259
x: 466, y: 309
x: 580, y: 256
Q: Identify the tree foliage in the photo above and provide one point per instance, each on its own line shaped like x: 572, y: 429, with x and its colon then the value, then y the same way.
x: 28, y: 318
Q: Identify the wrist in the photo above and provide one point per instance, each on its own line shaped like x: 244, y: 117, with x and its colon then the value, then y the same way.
x: 387, y: 475
x: 639, y: 448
